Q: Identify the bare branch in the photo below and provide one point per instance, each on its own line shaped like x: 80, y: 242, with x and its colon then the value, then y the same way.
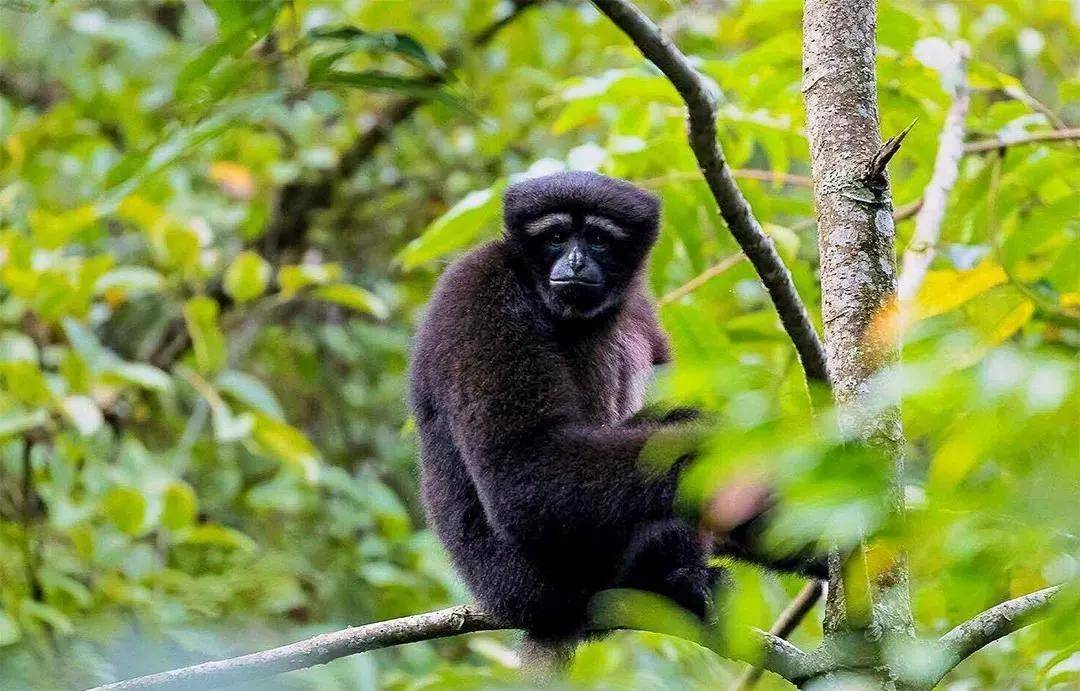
x: 778, y: 655
x: 785, y: 624
x: 920, y: 252
x: 1033, y: 138
x: 317, y: 650
x: 702, y: 135
x: 994, y: 623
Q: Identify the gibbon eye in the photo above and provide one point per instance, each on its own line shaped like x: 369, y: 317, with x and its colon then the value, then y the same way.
x: 595, y: 238
x: 557, y: 237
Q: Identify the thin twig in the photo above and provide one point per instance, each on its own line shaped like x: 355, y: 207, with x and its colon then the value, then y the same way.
x: 790, y: 179
x: 785, y: 624
x: 701, y: 279
x: 702, y: 135
x: 1048, y: 136
x: 921, y: 250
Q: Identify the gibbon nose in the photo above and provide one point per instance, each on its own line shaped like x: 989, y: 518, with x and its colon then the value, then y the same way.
x: 576, y: 260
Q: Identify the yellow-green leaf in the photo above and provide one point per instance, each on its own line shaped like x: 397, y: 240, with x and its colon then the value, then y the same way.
x: 287, y: 444
x: 476, y: 214
x: 201, y: 314
x: 179, y: 505
x: 216, y: 536
x: 354, y: 298
x: 946, y: 289
x: 126, y: 508
x: 295, y: 277
x: 247, y: 277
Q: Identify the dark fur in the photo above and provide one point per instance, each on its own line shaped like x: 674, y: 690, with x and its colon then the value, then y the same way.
x: 529, y: 452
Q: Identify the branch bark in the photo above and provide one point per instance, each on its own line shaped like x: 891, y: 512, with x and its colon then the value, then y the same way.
x: 317, y: 650
x: 920, y: 252
x: 299, y: 200
x: 785, y: 624
x: 989, y: 626
x: 778, y: 655
x: 856, y: 234
x: 736, y: 211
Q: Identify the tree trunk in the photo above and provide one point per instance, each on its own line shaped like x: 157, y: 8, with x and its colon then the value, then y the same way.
x: 858, y: 267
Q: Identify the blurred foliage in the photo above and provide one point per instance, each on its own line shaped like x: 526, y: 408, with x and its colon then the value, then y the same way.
x: 203, y: 436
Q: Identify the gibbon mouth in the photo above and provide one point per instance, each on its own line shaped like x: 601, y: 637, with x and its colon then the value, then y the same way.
x: 573, y: 282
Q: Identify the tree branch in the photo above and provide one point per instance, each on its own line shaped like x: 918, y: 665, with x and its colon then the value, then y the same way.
x: 994, y: 623
x: 702, y: 135
x: 779, y: 656
x: 298, y: 200
x: 785, y: 624
x: 317, y: 650
x: 1033, y: 138
x: 921, y: 250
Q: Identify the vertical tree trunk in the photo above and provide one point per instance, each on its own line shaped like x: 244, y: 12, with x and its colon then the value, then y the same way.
x: 858, y: 266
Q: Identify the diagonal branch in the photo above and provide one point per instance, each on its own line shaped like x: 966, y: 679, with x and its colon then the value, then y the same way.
x: 702, y: 135
x: 997, y: 622
x: 298, y: 200
x: 778, y: 655
x: 921, y: 250
x: 317, y: 650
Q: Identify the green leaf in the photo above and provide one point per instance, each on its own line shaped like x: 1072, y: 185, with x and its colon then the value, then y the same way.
x: 140, y: 374
x: 47, y: 614
x: 12, y: 423
x: 251, y: 392
x: 18, y: 347
x: 286, y: 443
x: 477, y: 213
x: 247, y: 276
x: 214, y: 535
x: 83, y: 413
x: 354, y: 298
x: 179, y: 506
x: 228, y: 426
x: 136, y: 168
x: 132, y: 280
x: 9, y: 630
x: 243, y: 23
x: 126, y: 508
x: 201, y: 314
x: 85, y: 343
x: 379, y: 80
x: 295, y: 277
x: 377, y: 43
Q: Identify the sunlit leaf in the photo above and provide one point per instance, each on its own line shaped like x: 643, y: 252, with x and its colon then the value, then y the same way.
x: 12, y: 423
x: 179, y: 506
x: 294, y: 278
x: 251, y: 392
x: 201, y: 314
x: 213, y: 535
x: 83, y: 413
x: 288, y: 444
x: 476, y: 214
x: 126, y: 508
x: 354, y: 298
x: 247, y: 276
